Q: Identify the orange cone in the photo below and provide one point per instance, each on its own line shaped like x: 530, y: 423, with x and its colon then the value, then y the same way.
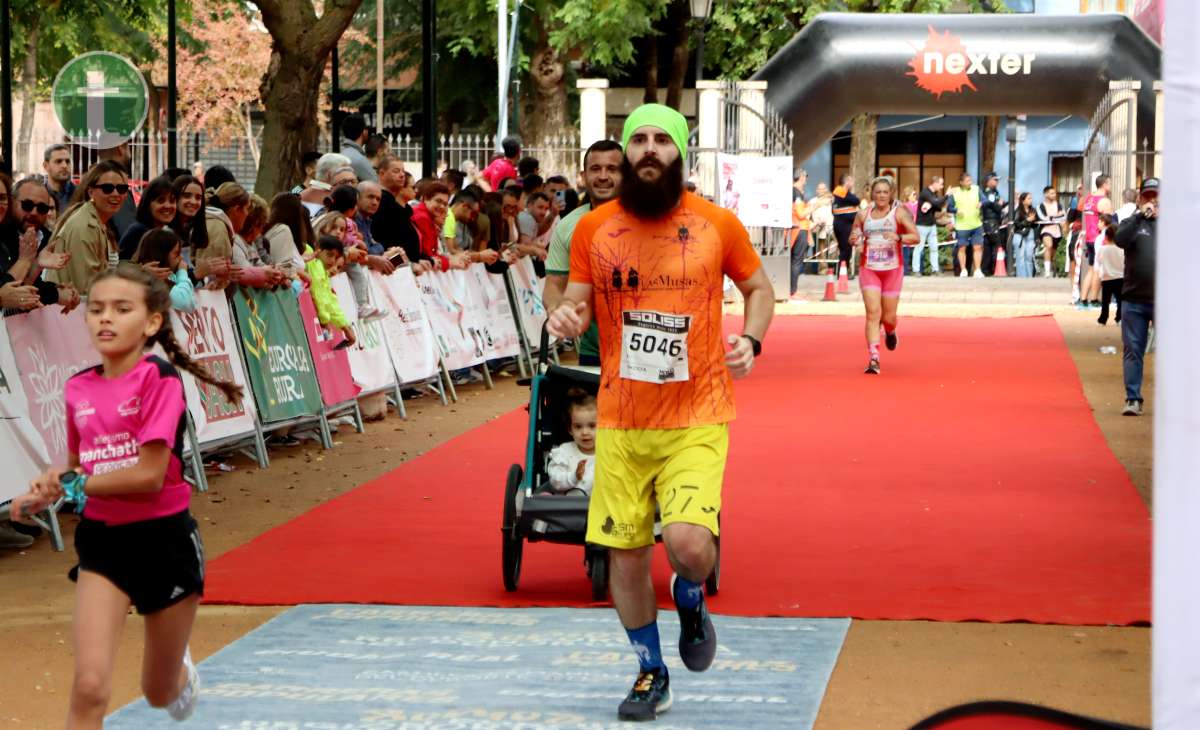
x: 1001, y: 269
x: 843, y: 283
x: 830, y: 293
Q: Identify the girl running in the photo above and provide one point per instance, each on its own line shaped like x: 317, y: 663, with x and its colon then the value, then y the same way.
x: 137, y: 543
x: 879, y: 234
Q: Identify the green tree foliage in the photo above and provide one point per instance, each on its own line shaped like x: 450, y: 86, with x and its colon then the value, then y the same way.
x: 744, y: 34
x: 68, y: 28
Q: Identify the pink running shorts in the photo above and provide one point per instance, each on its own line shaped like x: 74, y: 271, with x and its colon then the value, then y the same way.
x: 887, y: 283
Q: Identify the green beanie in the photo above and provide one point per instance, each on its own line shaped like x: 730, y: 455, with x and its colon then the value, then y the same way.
x: 663, y: 117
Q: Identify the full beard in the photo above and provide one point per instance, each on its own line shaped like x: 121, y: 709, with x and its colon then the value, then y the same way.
x: 651, y: 199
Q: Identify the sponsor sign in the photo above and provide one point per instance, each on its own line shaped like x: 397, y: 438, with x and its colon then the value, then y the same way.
x: 277, y: 357
x: 207, y: 336
x: 944, y: 64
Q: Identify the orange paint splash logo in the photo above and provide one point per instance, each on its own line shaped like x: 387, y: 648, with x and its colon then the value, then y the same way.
x: 944, y: 65
x: 929, y: 66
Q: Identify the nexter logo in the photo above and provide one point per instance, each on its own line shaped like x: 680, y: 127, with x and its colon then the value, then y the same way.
x: 944, y: 64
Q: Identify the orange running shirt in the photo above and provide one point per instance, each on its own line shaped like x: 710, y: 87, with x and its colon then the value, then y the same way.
x: 657, y: 285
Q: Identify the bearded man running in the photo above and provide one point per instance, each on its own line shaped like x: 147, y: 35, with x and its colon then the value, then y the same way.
x: 649, y: 269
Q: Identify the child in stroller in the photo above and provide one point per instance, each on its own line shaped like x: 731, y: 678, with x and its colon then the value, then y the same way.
x: 572, y: 465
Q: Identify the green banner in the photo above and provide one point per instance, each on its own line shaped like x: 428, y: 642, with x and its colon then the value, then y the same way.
x: 277, y: 358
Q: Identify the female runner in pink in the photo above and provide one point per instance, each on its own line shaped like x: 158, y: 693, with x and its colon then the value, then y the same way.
x: 879, y: 234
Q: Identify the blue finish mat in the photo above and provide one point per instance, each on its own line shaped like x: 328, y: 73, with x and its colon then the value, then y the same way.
x: 352, y: 667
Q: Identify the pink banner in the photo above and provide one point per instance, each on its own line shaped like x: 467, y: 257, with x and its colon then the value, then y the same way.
x: 49, y: 348
x: 333, y: 366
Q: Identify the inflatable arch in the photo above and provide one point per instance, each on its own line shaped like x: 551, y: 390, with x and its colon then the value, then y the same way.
x: 843, y: 64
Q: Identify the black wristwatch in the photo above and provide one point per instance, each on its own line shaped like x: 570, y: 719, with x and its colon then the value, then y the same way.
x: 754, y: 343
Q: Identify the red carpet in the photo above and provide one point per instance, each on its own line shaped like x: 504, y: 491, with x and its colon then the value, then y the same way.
x: 969, y: 481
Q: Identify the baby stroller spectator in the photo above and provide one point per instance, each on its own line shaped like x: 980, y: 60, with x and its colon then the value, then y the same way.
x: 572, y: 464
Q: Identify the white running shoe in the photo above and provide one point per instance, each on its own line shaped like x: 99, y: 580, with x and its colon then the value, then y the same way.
x: 978, y: 273
x: 962, y: 274
x: 185, y: 704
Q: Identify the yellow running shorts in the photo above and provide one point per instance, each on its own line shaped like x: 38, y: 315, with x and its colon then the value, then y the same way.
x: 680, y: 468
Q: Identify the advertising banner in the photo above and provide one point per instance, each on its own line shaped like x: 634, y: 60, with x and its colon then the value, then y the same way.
x: 409, y: 334
x: 757, y: 189
x: 22, y: 450
x: 333, y: 365
x: 446, y: 317
x: 48, y: 348
x: 277, y: 357
x: 207, y: 336
x: 528, y: 289
x: 370, y: 362
x: 494, y: 327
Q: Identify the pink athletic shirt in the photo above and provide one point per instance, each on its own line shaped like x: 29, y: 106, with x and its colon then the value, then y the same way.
x: 109, y: 419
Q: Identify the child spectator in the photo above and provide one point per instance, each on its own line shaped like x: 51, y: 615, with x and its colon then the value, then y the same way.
x: 572, y: 465
x: 329, y: 258
x: 343, y: 201
x: 160, y: 252
x: 1110, y: 259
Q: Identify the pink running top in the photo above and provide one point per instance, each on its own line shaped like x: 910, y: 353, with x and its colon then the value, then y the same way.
x: 110, y: 419
x: 1091, y: 217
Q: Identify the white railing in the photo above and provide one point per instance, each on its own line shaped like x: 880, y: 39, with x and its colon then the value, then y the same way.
x: 559, y: 155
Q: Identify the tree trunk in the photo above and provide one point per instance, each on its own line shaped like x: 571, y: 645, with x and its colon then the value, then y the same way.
x: 292, y: 120
x: 547, y: 117
x: 28, y: 95
x: 678, y: 19
x: 862, y: 151
x: 991, y: 135
x: 650, y: 69
x: 300, y: 46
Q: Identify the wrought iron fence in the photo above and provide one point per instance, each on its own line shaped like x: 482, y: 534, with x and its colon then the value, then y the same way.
x: 558, y: 155
x: 146, y: 154
x: 1112, y: 147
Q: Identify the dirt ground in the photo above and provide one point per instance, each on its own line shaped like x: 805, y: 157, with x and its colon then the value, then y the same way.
x: 889, y: 675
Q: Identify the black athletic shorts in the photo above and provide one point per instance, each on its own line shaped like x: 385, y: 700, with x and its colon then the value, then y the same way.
x: 1091, y: 254
x: 157, y: 563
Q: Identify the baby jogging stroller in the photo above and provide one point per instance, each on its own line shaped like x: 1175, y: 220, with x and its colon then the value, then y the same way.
x: 531, y: 511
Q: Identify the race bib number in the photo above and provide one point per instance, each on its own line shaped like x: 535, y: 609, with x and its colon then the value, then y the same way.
x: 881, y: 258
x: 654, y: 346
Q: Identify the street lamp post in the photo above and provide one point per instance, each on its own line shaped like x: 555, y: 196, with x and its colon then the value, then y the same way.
x: 701, y: 11
x: 172, y: 90
x: 6, y: 149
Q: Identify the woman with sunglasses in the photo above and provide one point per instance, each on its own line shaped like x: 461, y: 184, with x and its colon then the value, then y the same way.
x: 155, y: 210
x: 85, y: 228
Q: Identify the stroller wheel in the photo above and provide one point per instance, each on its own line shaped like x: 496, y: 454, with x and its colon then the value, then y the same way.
x: 511, y: 546
x: 599, y: 573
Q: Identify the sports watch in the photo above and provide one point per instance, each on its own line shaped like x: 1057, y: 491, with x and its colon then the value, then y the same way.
x: 73, y: 483
x: 755, y: 344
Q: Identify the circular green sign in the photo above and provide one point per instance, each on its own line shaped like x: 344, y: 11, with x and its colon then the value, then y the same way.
x: 100, y: 99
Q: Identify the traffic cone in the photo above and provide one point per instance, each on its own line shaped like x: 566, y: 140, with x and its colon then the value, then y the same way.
x: 830, y: 293
x: 1001, y: 269
x: 843, y: 284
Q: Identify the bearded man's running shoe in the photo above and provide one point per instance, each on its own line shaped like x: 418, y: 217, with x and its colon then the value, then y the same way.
x: 697, y: 635
x: 650, y: 696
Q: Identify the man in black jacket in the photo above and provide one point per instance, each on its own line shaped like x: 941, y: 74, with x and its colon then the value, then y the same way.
x: 31, y: 205
x: 392, y: 223
x: 1138, y: 237
x: 991, y: 209
x: 929, y: 203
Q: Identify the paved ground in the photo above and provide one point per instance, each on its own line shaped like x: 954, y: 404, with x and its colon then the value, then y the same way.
x: 889, y: 675
x: 949, y: 289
